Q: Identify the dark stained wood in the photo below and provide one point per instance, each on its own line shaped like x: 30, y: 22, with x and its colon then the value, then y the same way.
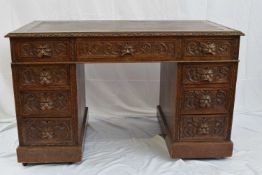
x: 199, y: 62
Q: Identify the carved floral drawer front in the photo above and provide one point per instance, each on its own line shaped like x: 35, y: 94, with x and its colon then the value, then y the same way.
x: 205, y: 100
x: 125, y: 49
x: 200, y: 47
x: 55, y: 131
x: 43, y: 103
x: 42, y: 50
x: 43, y: 76
x: 203, y: 127
x: 207, y: 73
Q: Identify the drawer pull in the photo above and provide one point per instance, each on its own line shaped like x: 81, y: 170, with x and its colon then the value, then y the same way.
x: 45, y: 77
x: 43, y: 50
x: 207, y: 75
x: 209, y: 48
x: 127, y: 50
x: 205, y: 101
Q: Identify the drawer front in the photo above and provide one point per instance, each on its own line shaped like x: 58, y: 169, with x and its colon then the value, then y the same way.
x: 210, y: 48
x: 207, y: 73
x: 45, y: 103
x: 205, y: 101
x: 126, y: 49
x: 38, y: 76
x: 203, y: 127
x: 41, y: 50
x: 46, y: 131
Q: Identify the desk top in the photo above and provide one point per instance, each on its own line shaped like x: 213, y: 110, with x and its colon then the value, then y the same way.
x: 121, y: 28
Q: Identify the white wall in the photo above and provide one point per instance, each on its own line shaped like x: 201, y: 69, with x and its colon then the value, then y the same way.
x: 133, y: 89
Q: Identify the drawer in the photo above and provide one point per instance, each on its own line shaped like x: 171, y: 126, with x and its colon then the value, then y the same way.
x: 203, y: 127
x: 126, y: 49
x: 41, y: 76
x: 41, y: 50
x: 205, y: 100
x: 207, y: 73
x: 210, y: 48
x: 45, y: 103
x: 46, y: 131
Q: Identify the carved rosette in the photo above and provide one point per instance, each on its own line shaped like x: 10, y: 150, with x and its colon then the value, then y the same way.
x: 47, y: 131
x: 123, y: 48
x: 45, y: 102
x: 197, y: 48
x: 204, y: 99
x: 44, y: 76
x: 212, y: 74
x: 193, y: 127
x: 40, y: 49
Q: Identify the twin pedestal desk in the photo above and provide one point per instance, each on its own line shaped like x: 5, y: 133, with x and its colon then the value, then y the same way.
x: 199, y: 61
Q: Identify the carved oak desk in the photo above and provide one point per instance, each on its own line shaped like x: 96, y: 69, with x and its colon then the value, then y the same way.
x: 199, y: 62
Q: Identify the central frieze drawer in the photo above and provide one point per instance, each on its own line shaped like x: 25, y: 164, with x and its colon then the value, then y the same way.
x: 126, y: 49
x: 46, y: 131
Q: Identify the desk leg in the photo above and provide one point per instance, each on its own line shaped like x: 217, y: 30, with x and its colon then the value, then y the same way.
x: 196, y: 108
x: 51, y: 113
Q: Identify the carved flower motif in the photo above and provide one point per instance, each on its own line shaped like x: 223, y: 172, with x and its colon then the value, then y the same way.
x: 207, y: 75
x: 46, y: 103
x: 203, y: 128
x: 43, y: 50
x: 127, y: 50
x: 205, y: 101
x: 47, y: 133
x: 209, y: 48
x: 45, y: 77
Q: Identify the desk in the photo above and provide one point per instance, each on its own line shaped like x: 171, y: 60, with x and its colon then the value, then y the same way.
x: 199, y: 62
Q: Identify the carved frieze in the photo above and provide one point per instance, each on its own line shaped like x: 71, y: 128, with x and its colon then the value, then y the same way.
x: 205, y: 100
x: 124, y: 48
x: 201, y: 127
x: 208, y: 73
x: 44, y: 75
x: 45, y: 49
x: 196, y: 48
x: 45, y: 102
x: 46, y: 131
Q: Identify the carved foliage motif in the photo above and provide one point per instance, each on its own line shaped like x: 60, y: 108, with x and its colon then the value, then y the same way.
x: 204, y: 99
x: 123, y: 48
x: 193, y: 127
x: 196, y: 74
x: 44, y: 75
x: 207, y: 48
x: 45, y: 102
x: 40, y: 49
x: 46, y: 131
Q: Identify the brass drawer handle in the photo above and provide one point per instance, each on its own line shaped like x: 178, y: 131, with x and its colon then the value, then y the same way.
x: 43, y: 50
x: 127, y: 50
